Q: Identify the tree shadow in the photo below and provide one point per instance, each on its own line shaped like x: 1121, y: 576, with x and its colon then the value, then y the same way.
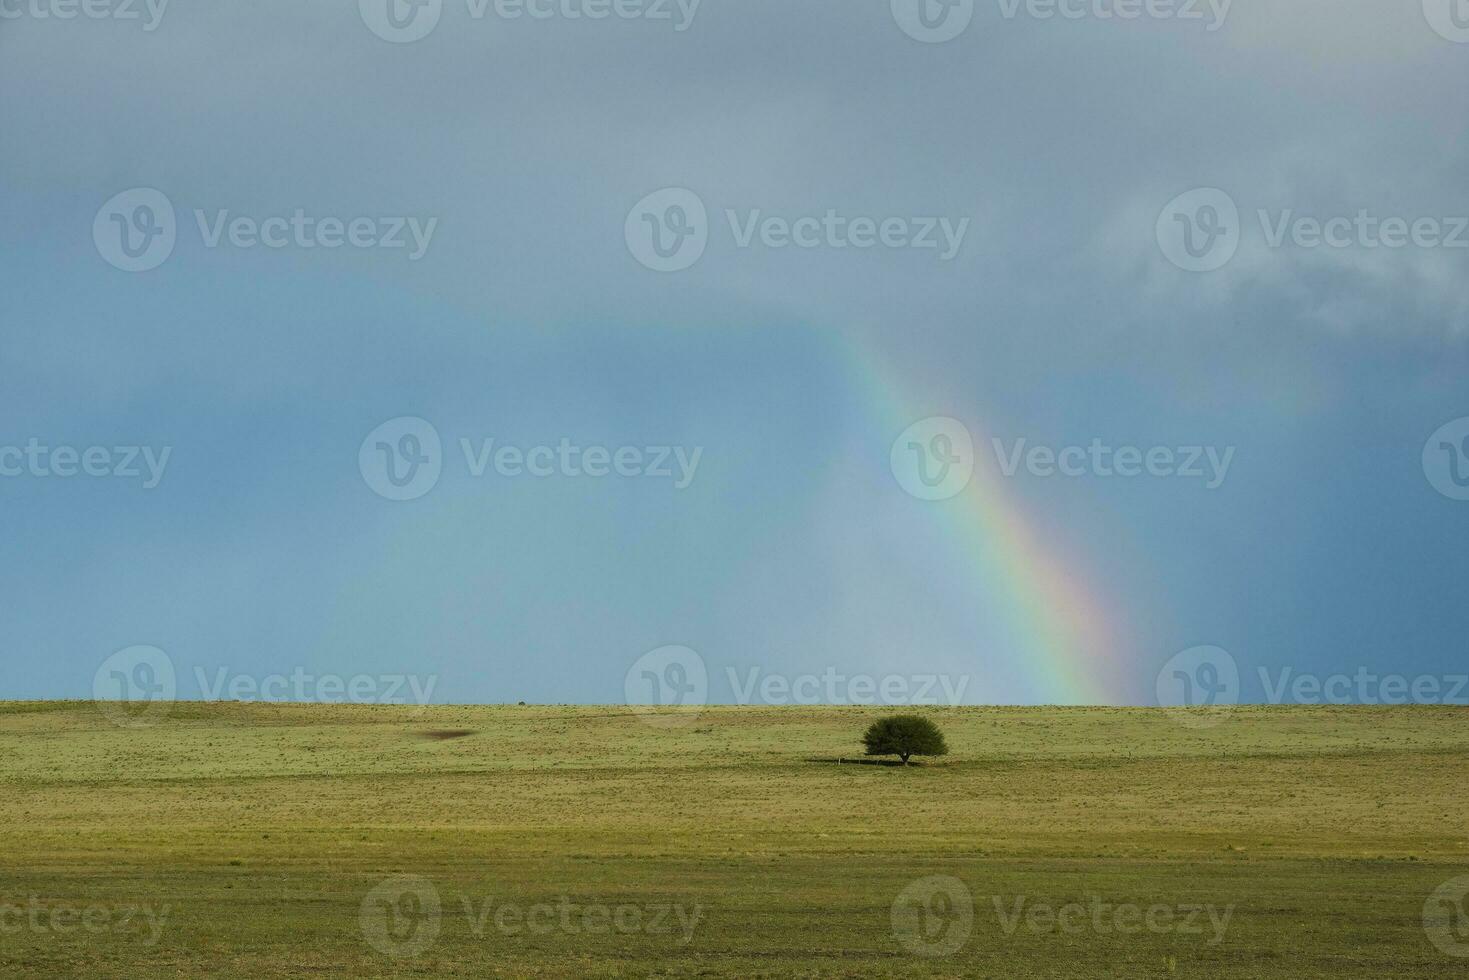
x: 445, y: 734
x: 861, y: 761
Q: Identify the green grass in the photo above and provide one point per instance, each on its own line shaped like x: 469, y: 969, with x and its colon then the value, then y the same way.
x: 262, y: 829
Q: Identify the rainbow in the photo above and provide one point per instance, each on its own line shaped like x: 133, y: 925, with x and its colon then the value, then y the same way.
x: 1065, y: 643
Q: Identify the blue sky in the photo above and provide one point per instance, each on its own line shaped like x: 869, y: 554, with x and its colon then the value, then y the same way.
x: 529, y: 320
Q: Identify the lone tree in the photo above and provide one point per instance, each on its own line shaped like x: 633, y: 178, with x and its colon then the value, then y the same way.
x: 904, y: 736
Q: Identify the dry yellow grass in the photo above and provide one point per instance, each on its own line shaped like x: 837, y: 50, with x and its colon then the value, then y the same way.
x: 264, y: 827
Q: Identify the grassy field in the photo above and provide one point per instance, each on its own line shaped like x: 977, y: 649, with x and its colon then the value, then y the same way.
x: 313, y: 841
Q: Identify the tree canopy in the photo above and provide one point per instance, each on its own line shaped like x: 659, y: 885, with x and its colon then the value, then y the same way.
x: 904, y: 736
